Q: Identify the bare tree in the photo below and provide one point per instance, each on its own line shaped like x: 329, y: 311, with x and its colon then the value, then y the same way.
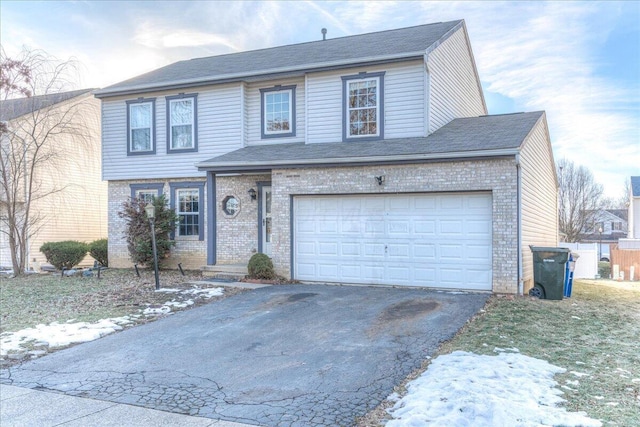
x: 33, y: 119
x: 579, y: 196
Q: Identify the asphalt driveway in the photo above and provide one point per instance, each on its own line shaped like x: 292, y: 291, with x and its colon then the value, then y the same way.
x: 294, y: 355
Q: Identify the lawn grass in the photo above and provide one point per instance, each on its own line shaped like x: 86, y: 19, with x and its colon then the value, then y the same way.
x: 595, y: 332
x: 31, y: 300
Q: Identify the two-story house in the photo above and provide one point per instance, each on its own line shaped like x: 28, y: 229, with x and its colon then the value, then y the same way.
x: 362, y: 159
x: 68, y: 197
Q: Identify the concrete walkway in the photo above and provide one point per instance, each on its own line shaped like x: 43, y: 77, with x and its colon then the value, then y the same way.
x: 18, y: 408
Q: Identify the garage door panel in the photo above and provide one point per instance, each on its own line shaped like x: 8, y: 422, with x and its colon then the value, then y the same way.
x: 424, y: 252
x: 425, y: 228
x: 399, y: 250
x: 451, y: 227
x: 328, y: 248
x: 435, y: 240
x: 350, y: 249
x: 374, y: 227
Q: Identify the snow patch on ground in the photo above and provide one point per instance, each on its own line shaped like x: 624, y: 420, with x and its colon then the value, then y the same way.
x: 466, y: 389
x: 56, y: 335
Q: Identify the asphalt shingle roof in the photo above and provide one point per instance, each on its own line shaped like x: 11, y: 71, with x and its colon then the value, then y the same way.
x: 320, y: 54
x: 14, y: 108
x: 470, y: 135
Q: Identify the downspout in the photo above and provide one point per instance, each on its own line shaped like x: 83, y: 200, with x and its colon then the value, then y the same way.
x: 519, y: 221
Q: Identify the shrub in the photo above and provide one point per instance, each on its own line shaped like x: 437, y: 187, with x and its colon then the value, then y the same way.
x: 604, y: 269
x: 138, y: 230
x: 261, y: 267
x: 64, y: 254
x: 99, y: 250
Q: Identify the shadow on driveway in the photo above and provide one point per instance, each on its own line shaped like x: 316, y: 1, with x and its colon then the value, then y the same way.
x: 292, y: 355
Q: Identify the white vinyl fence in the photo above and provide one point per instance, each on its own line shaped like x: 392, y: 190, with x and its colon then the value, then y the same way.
x: 587, y: 263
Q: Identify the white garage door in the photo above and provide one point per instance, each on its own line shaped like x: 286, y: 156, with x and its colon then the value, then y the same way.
x: 434, y: 240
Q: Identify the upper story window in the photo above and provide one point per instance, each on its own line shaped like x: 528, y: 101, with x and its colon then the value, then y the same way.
x: 363, y: 103
x: 140, y: 126
x: 278, y: 111
x: 182, y: 123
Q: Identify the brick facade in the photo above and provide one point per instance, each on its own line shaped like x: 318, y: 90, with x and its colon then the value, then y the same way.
x: 497, y: 176
x: 237, y: 235
x: 189, y: 251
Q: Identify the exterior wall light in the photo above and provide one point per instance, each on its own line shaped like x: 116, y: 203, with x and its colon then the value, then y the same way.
x: 253, y: 194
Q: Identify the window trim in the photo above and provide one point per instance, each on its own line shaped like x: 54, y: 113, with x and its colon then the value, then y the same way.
x: 292, y: 112
x: 159, y: 187
x: 189, y: 185
x: 194, y: 130
x: 379, y: 76
x: 138, y: 101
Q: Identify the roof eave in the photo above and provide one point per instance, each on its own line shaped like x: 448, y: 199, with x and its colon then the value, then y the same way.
x: 227, y: 78
x: 244, y: 166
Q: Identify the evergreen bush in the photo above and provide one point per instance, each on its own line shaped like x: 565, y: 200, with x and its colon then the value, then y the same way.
x: 64, y: 255
x: 99, y: 250
x: 261, y: 267
x: 138, y: 230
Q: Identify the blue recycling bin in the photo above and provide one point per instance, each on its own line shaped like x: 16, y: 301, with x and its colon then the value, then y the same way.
x: 568, y: 274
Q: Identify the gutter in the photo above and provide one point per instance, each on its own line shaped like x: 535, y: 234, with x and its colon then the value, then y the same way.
x: 400, y: 158
x: 233, y: 77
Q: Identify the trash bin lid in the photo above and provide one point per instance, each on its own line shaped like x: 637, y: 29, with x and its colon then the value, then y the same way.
x: 548, y: 249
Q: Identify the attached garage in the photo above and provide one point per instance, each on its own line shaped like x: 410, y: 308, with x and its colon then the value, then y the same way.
x: 441, y: 240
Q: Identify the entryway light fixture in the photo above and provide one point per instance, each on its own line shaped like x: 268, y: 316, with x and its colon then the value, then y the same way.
x: 380, y: 179
x: 253, y: 194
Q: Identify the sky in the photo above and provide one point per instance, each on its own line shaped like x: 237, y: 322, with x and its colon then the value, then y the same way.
x: 578, y: 61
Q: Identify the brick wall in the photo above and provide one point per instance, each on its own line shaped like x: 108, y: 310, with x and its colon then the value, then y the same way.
x: 189, y: 251
x: 237, y: 235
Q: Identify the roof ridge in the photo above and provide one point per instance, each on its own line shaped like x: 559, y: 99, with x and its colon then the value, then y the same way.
x: 318, y: 41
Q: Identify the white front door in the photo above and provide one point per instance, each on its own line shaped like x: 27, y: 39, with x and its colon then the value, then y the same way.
x: 265, y: 226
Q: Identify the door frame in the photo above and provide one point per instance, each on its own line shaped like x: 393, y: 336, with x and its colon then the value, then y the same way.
x: 261, y: 185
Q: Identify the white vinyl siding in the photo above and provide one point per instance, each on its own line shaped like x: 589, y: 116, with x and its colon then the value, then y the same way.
x: 404, y: 102
x: 219, y: 113
x: 434, y: 240
x: 454, y: 88
x: 539, y: 197
x: 253, y: 111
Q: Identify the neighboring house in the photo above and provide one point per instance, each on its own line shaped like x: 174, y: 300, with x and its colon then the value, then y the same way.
x: 634, y: 208
x: 363, y: 159
x: 74, y: 206
x: 606, y: 227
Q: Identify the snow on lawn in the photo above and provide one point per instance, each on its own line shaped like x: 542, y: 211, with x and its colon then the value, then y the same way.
x: 57, y: 335
x: 466, y: 389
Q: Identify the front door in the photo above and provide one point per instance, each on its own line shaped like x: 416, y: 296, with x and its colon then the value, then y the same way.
x: 265, y: 226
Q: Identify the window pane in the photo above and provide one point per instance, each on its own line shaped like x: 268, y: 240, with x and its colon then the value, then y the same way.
x: 141, y: 139
x: 188, y: 212
x: 277, y: 112
x: 182, y: 112
x: 140, y: 115
x: 181, y: 137
x: 361, y: 104
x: 146, y: 195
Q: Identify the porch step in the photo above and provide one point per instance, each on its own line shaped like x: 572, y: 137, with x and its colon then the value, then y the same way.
x: 225, y: 271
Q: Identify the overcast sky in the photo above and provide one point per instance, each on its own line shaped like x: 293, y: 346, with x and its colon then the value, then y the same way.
x: 578, y: 61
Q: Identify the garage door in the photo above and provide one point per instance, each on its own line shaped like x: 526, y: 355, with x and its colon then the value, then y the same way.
x: 434, y: 240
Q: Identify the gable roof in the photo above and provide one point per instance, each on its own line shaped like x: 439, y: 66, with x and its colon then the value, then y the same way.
x: 13, y: 108
x: 484, y: 136
x: 378, y: 47
x: 635, y: 186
